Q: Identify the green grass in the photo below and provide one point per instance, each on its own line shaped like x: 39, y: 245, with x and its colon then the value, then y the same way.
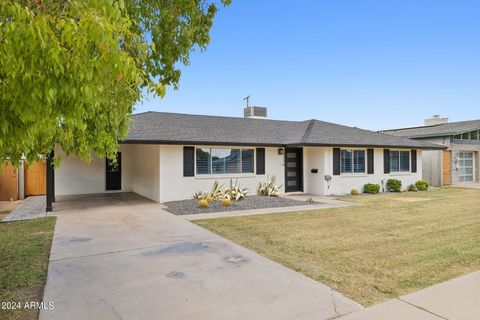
x: 24, y: 252
x: 391, y: 245
x: 3, y: 214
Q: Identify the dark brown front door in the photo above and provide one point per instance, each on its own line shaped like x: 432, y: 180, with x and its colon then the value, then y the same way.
x: 114, y: 174
x: 293, y: 169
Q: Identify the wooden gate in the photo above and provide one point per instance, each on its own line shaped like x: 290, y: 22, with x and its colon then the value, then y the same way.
x: 447, y: 168
x: 8, y: 182
x: 35, y: 179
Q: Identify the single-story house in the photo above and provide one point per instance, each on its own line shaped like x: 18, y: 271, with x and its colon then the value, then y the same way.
x: 170, y: 156
x: 460, y: 162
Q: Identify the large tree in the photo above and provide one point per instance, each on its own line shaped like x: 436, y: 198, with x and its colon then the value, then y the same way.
x: 72, y: 70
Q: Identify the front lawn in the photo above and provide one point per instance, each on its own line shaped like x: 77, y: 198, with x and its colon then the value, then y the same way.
x: 24, y: 252
x: 3, y: 214
x: 391, y: 245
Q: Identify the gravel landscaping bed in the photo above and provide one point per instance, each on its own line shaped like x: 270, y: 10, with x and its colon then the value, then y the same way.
x: 251, y: 202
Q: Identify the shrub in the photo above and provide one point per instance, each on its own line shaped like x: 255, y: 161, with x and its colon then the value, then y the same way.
x: 354, y: 192
x: 412, y: 187
x: 422, y: 185
x: 394, y: 185
x: 268, y: 189
x: 234, y: 192
x: 371, y: 188
x: 203, y: 203
x: 226, y: 202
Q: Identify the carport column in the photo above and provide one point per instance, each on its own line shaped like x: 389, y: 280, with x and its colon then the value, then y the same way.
x: 50, y: 181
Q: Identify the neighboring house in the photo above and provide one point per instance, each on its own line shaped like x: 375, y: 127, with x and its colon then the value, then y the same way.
x: 168, y: 156
x: 460, y: 162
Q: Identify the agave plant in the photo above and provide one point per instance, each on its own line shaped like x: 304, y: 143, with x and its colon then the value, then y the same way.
x: 268, y: 189
x: 216, y: 192
x: 200, y: 195
x: 234, y: 192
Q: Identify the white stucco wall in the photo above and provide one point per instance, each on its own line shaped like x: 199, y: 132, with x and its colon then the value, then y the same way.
x: 174, y: 186
x: 343, y: 184
x: 156, y: 172
x: 74, y: 176
x: 146, y: 171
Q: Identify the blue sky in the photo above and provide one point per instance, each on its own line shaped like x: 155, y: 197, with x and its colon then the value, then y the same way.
x: 371, y: 64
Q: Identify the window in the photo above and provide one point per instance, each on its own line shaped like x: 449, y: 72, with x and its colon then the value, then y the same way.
x: 474, y: 135
x: 352, y: 161
x: 399, y: 161
x: 203, y: 161
x: 224, y: 161
x: 247, y: 161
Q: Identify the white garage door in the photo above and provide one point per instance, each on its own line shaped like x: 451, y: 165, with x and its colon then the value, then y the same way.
x: 465, y: 166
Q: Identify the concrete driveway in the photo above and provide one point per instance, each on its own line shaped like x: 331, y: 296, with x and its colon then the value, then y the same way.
x: 122, y: 257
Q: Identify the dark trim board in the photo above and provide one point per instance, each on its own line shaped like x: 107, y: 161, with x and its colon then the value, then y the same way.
x: 298, y: 169
x: 247, y: 144
x: 202, y: 143
x: 438, y: 147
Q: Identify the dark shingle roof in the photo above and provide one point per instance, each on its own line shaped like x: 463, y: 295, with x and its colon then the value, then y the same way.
x: 439, y: 130
x: 174, y: 128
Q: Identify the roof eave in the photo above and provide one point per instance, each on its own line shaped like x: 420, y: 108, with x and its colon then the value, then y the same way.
x: 203, y: 143
x: 349, y: 145
x: 276, y: 145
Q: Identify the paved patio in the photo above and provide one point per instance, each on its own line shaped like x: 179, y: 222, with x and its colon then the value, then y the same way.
x: 31, y: 208
x: 122, y: 256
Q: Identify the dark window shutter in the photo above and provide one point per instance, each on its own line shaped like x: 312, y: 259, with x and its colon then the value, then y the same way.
x: 260, y: 160
x: 414, y: 160
x: 336, y: 161
x: 370, y: 161
x: 188, y: 161
x: 386, y: 160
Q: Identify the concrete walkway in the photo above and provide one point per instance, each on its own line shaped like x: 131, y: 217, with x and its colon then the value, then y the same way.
x: 457, y: 299
x: 323, y: 203
x: 467, y: 185
x: 122, y: 257
x: 30, y: 208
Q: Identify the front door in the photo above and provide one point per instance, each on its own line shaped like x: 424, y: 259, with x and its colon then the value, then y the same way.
x: 114, y: 173
x: 293, y: 169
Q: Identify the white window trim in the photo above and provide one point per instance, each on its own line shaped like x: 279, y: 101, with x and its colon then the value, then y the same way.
x: 354, y: 174
x: 225, y: 175
x: 399, y: 172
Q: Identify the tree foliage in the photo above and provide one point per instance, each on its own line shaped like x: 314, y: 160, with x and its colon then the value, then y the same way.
x: 72, y: 70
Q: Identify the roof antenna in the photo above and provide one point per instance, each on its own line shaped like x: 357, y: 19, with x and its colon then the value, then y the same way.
x: 247, y: 100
